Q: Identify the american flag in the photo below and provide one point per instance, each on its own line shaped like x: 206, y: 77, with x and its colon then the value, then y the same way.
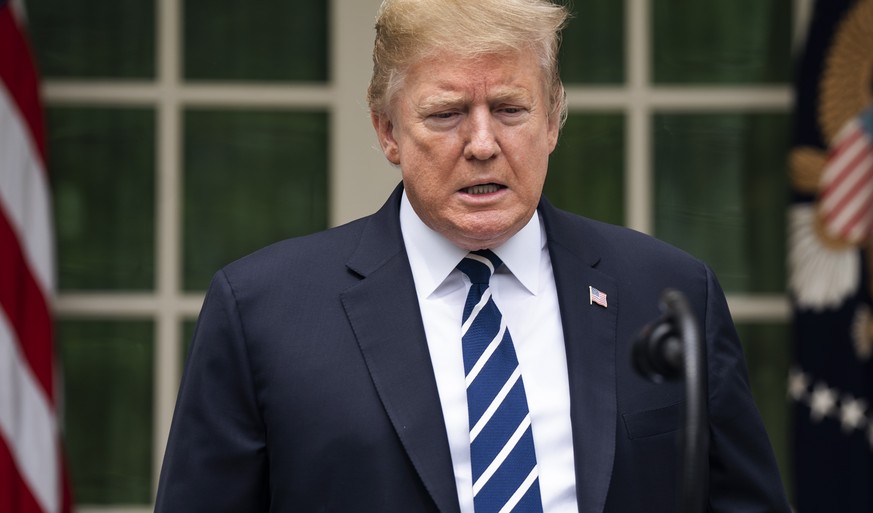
x: 846, y: 198
x: 595, y: 296
x: 32, y: 479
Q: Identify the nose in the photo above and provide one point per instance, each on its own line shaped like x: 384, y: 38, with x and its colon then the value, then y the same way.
x: 481, y: 141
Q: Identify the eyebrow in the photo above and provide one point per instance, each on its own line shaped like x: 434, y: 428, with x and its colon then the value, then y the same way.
x: 449, y: 99
x: 440, y: 101
x: 512, y: 94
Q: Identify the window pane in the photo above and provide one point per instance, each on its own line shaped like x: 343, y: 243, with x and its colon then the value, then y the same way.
x: 102, y: 167
x: 586, y: 170
x: 107, y: 369
x: 721, y: 41
x: 103, y: 38
x: 768, y: 353
x: 720, y: 193
x: 251, y: 178
x: 264, y: 40
x: 592, y: 48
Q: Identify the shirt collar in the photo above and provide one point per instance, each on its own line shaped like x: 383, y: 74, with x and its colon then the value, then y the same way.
x: 432, y: 257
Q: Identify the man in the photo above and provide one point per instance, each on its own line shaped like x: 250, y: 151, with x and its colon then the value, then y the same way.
x: 339, y: 372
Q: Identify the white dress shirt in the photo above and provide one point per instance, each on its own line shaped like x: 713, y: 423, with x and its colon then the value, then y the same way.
x: 524, y: 291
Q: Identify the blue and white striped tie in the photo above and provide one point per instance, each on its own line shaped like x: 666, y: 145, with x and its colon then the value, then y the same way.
x: 505, y: 474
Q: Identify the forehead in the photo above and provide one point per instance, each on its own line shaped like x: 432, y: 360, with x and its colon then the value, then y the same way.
x: 447, y: 76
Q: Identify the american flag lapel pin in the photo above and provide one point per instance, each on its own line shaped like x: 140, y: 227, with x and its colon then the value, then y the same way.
x: 595, y: 296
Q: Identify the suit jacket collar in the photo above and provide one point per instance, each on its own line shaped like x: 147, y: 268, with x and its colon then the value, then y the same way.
x: 385, y: 316
x: 397, y: 355
x: 575, y: 248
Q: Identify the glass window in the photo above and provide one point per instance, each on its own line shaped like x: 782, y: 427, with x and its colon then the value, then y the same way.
x: 720, y: 193
x: 264, y: 40
x: 100, y: 39
x: 586, y: 170
x: 107, y: 378
x: 102, y: 164
x: 721, y: 41
x: 592, y: 48
x: 768, y: 355
x: 251, y: 178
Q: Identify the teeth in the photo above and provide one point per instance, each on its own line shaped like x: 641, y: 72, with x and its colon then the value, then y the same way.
x: 482, y: 189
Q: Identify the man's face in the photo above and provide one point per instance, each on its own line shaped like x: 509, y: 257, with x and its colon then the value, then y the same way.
x: 472, y: 138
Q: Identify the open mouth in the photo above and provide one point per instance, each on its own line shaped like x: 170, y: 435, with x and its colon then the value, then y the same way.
x: 485, y: 188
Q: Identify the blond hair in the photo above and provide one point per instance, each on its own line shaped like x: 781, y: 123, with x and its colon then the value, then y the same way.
x: 408, y: 30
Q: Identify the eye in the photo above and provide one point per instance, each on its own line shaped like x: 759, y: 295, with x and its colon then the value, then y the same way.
x: 511, y: 114
x: 442, y: 120
x: 511, y: 109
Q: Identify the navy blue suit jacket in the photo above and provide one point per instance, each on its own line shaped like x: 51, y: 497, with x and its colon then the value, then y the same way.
x: 309, y: 385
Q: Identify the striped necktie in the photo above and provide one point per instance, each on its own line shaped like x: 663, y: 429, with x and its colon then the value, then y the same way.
x: 505, y: 474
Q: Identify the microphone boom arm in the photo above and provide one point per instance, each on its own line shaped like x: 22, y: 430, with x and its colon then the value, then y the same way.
x: 669, y: 349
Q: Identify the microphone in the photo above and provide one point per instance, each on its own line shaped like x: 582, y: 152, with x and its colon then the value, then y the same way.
x: 669, y: 349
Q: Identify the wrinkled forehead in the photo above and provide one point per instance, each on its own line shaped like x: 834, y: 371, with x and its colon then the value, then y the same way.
x: 451, y: 75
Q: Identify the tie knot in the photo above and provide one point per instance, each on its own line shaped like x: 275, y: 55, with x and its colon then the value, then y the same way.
x: 479, y: 265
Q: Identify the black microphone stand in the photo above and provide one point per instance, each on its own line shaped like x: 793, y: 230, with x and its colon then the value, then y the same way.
x: 669, y: 349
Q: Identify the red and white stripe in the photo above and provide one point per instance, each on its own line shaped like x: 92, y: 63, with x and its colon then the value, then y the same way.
x: 31, y: 472
x: 846, y: 190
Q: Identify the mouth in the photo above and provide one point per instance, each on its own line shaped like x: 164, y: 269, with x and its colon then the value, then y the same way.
x: 485, y: 188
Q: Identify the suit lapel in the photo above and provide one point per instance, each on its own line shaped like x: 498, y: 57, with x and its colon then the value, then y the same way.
x: 589, y: 335
x: 384, y: 313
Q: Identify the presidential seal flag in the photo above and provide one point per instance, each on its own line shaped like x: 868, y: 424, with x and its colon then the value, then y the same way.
x: 830, y: 256
x: 32, y: 479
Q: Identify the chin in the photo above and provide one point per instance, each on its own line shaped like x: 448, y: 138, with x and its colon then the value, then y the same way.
x: 480, y: 239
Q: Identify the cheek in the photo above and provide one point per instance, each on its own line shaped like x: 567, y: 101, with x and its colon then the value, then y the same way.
x: 430, y: 163
x: 530, y: 154
x: 532, y: 189
x: 532, y: 168
x: 428, y: 188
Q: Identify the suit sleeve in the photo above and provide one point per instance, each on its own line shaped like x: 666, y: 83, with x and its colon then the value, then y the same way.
x: 743, y: 472
x: 215, y: 459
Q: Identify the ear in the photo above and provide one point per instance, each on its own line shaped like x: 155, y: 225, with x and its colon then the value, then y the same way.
x: 385, y: 132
